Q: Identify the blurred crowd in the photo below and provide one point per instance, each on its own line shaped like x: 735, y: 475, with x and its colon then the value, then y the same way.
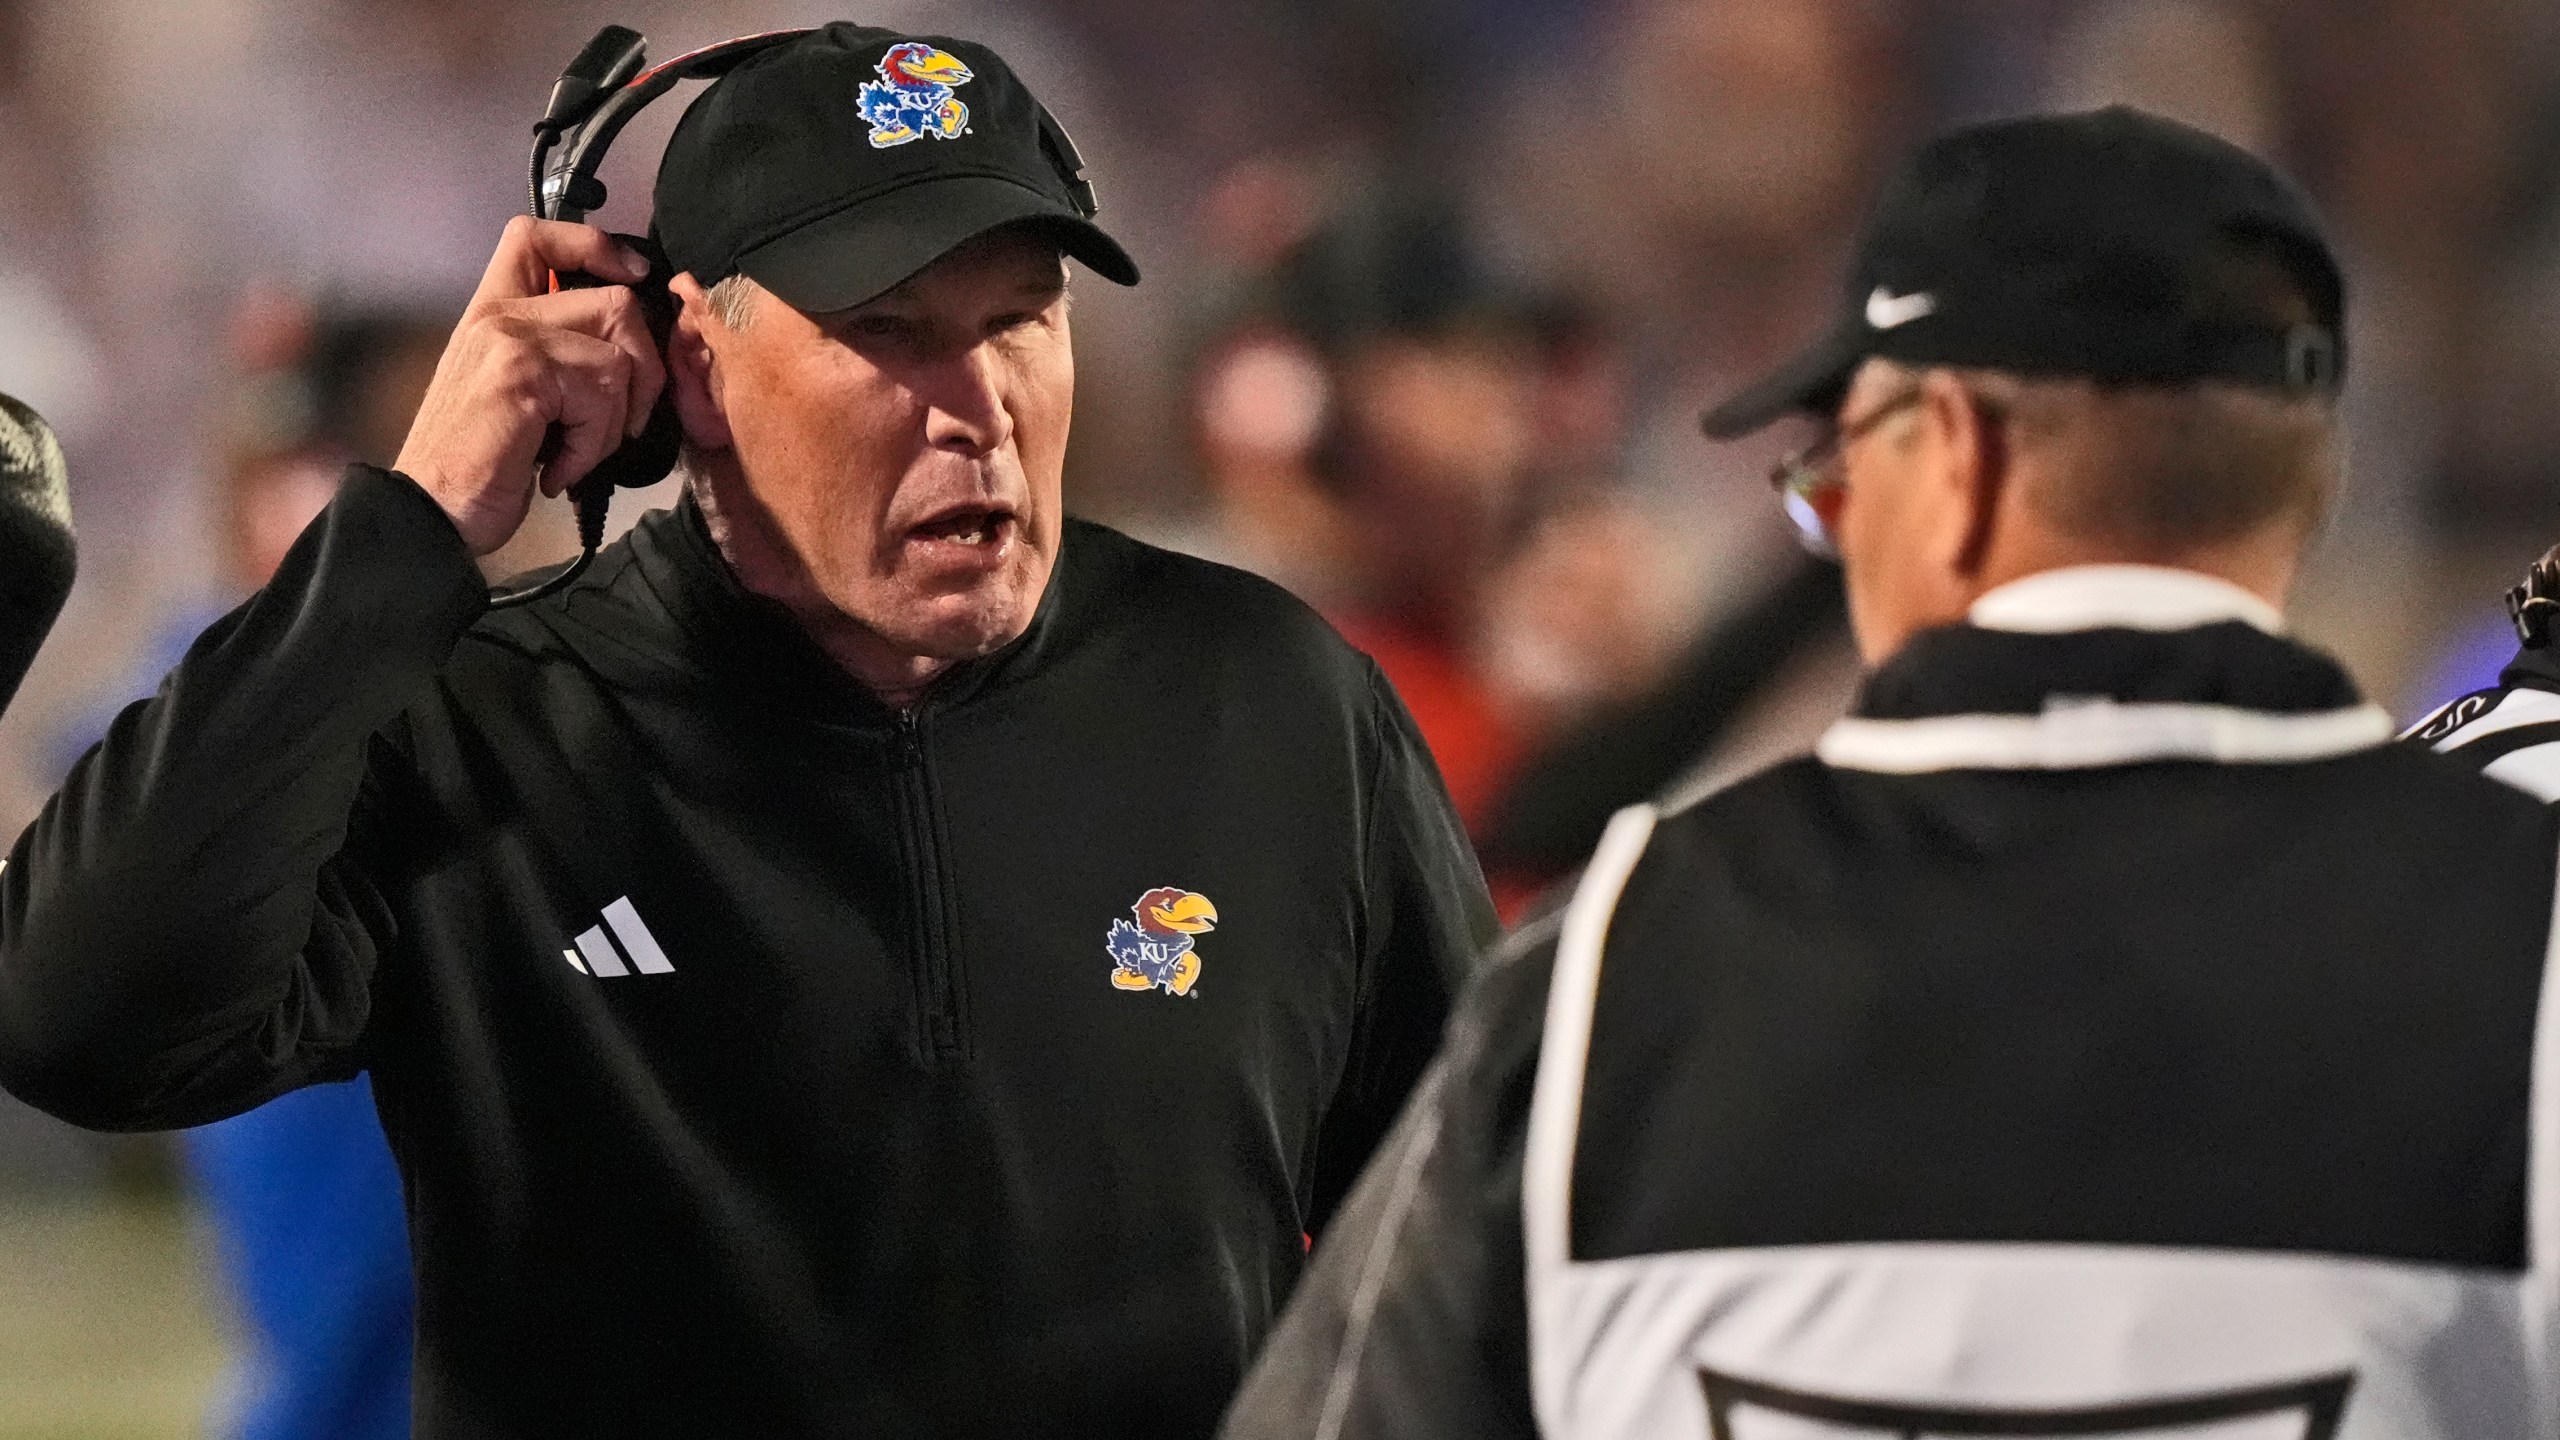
x: 1435, y: 292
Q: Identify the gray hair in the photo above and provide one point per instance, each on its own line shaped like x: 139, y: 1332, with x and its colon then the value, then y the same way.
x: 2171, y: 466
x: 2175, y: 465
x: 734, y: 300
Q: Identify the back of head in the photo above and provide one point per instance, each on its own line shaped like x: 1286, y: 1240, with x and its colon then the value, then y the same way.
x: 2153, y: 317
x: 2167, y: 468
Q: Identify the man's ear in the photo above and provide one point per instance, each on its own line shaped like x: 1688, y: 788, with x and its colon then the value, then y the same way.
x: 693, y: 367
x: 1973, y: 463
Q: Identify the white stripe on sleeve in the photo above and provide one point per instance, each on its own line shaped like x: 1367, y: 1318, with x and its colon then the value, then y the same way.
x: 2516, y: 707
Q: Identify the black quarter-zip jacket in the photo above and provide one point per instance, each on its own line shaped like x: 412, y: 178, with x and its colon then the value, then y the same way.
x: 760, y: 1061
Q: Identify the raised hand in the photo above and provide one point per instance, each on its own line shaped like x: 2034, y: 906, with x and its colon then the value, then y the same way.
x: 524, y: 360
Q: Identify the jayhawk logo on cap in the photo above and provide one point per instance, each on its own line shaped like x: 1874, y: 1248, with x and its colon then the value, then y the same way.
x: 1157, y: 951
x: 913, y: 96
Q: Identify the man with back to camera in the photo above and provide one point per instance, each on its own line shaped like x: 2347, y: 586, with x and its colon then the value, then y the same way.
x: 2108, y: 1032
x: 873, y: 956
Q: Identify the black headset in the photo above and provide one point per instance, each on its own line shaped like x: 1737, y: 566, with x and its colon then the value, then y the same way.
x: 610, y: 81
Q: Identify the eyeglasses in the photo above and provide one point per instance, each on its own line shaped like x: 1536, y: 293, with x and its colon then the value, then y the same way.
x: 1802, y: 475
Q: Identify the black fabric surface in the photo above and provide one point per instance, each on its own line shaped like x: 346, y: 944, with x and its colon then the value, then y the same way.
x: 2286, y: 1007
x: 1966, y: 670
x: 2258, y: 1006
x: 887, y: 1152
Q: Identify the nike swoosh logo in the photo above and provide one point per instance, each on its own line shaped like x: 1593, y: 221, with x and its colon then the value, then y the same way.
x: 1886, y: 309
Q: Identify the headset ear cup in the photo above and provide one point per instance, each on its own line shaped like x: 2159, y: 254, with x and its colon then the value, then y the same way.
x: 650, y: 456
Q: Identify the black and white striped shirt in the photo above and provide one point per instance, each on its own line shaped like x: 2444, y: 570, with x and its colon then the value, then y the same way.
x: 2109, y: 1032
x: 2510, y: 732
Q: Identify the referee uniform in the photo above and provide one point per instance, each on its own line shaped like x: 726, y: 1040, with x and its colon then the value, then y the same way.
x: 2107, y: 1032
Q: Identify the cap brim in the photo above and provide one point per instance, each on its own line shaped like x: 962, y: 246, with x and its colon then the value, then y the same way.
x: 854, y: 254
x: 1814, y: 381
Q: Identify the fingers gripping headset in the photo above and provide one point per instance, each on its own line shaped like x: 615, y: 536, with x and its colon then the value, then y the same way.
x: 610, y: 81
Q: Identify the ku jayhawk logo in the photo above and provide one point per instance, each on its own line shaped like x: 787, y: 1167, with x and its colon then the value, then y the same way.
x: 1157, y: 950
x: 913, y: 96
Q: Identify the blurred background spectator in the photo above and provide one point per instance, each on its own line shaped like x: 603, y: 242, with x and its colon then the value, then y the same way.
x: 1436, y: 290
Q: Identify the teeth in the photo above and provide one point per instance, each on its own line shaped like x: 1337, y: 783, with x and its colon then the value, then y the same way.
x: 981, y: 531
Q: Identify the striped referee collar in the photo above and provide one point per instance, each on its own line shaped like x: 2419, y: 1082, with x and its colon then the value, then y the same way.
x: 2149, y: 621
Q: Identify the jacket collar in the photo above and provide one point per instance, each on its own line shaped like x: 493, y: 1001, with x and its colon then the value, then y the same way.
x: 746, y: 641
x: 2104, y: 665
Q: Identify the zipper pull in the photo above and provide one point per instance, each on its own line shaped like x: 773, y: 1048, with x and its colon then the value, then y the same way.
x: 910, y: 736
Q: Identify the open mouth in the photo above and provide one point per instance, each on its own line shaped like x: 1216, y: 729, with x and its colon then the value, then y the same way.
x: 968, y: 527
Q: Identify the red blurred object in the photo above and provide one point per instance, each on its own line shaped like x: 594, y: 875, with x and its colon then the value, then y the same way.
x: 1475, y: 746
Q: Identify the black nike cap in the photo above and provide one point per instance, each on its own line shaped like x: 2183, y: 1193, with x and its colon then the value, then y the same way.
x: 2073, y: 245
x: 831, y: 167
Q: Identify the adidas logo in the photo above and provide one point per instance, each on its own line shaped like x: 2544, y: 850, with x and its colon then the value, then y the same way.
x: 595, y: 953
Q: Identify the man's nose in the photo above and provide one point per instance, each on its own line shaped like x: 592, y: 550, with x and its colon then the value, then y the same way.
x: 965, y: 409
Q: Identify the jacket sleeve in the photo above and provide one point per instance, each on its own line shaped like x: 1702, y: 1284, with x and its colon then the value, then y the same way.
x: 1413, y: 1319
x: 1426, y: 919
x: 190, y: 927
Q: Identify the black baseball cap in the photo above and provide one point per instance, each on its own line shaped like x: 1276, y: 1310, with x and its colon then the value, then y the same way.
x: 2072, y: 245
x: 833, y: 166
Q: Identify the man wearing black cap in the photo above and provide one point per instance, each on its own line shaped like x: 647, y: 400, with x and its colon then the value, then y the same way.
x: 873, y: 956
x: 2108, y: 1032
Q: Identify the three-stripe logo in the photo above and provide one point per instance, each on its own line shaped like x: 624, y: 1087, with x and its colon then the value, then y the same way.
x: 595, y: 954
